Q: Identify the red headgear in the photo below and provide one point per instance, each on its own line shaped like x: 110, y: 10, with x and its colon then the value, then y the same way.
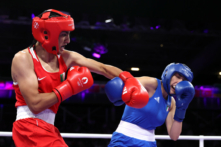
x: 46, y: 30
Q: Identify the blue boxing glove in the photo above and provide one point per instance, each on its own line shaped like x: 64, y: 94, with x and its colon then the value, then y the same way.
x: 114, y: 89
x: 185, y: 92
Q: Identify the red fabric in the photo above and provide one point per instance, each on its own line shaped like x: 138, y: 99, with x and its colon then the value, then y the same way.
x: 34, y: 132
x: 78, y: 79
x: 134, y: 94
x: 48, y: 80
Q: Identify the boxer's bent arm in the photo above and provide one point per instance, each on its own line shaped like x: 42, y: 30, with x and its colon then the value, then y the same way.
x: 174, y: 128
x: 22, y: 71
x: 73, y: 58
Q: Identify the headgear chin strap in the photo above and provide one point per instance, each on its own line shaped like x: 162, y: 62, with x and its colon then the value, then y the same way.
x: 173, y: 68
x: 46, y: 29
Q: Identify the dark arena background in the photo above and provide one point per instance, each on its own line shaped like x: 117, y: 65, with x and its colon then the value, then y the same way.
x: 146, y: 34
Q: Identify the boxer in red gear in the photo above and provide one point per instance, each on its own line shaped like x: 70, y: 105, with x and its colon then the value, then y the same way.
x: 38, y: 78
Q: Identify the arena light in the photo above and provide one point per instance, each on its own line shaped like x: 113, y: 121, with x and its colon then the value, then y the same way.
x: 32, y: 15
x: 108, y: 20
x: 205, y: 91
x: 6, y: 85
x: 83, y: 93
x: 220, y: 73
x: 6, y: 89
x: 157, y: 27
x: 87, y: 48
x: 100, y: 49
x: 2, y: 85
x: 96, y: 55
x: 134, y: 69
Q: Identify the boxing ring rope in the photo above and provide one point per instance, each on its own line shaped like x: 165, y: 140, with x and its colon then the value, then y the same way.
x: 201, y: 138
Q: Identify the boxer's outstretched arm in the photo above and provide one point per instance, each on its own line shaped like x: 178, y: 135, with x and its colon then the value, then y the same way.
x: 73, y: 58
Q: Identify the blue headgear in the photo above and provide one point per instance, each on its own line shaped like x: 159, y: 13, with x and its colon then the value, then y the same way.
x: 170, y: 70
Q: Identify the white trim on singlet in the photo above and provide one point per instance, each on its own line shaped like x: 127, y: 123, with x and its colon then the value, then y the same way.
x: 24, y: 112
x: 33, y: 53
x: 45, y: 69
x: 15, y: 83
x: 135, y: 131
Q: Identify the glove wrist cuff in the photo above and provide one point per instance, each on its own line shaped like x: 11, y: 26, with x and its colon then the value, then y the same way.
x: 58, y: 95
x: 63, y: 91
x: 125, y: 75
x: 180, y: 114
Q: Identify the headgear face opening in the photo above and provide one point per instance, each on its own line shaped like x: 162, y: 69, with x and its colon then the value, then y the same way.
x: 173, y: 68
x: 46, y: 29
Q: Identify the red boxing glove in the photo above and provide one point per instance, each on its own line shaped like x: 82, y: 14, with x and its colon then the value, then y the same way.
x: 134, y: 94
x: 78, y: 79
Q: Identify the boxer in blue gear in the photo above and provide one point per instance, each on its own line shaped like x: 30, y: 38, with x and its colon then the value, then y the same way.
x: 137, y: 126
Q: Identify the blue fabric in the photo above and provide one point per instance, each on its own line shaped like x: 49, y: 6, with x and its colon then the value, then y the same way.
x: 120, y: 140
x: 113, y: 90
x: 171, y: 69
x: 152, y: 115
x: 184, y: 94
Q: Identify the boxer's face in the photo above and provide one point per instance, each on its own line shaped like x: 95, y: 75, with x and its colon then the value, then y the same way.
x: 176, y: 78
x: 64, y: 39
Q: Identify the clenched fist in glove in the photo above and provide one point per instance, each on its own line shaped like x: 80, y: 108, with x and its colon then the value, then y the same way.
x: 78, y: 79
x: 184, y: 92
x: 134, y: 94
